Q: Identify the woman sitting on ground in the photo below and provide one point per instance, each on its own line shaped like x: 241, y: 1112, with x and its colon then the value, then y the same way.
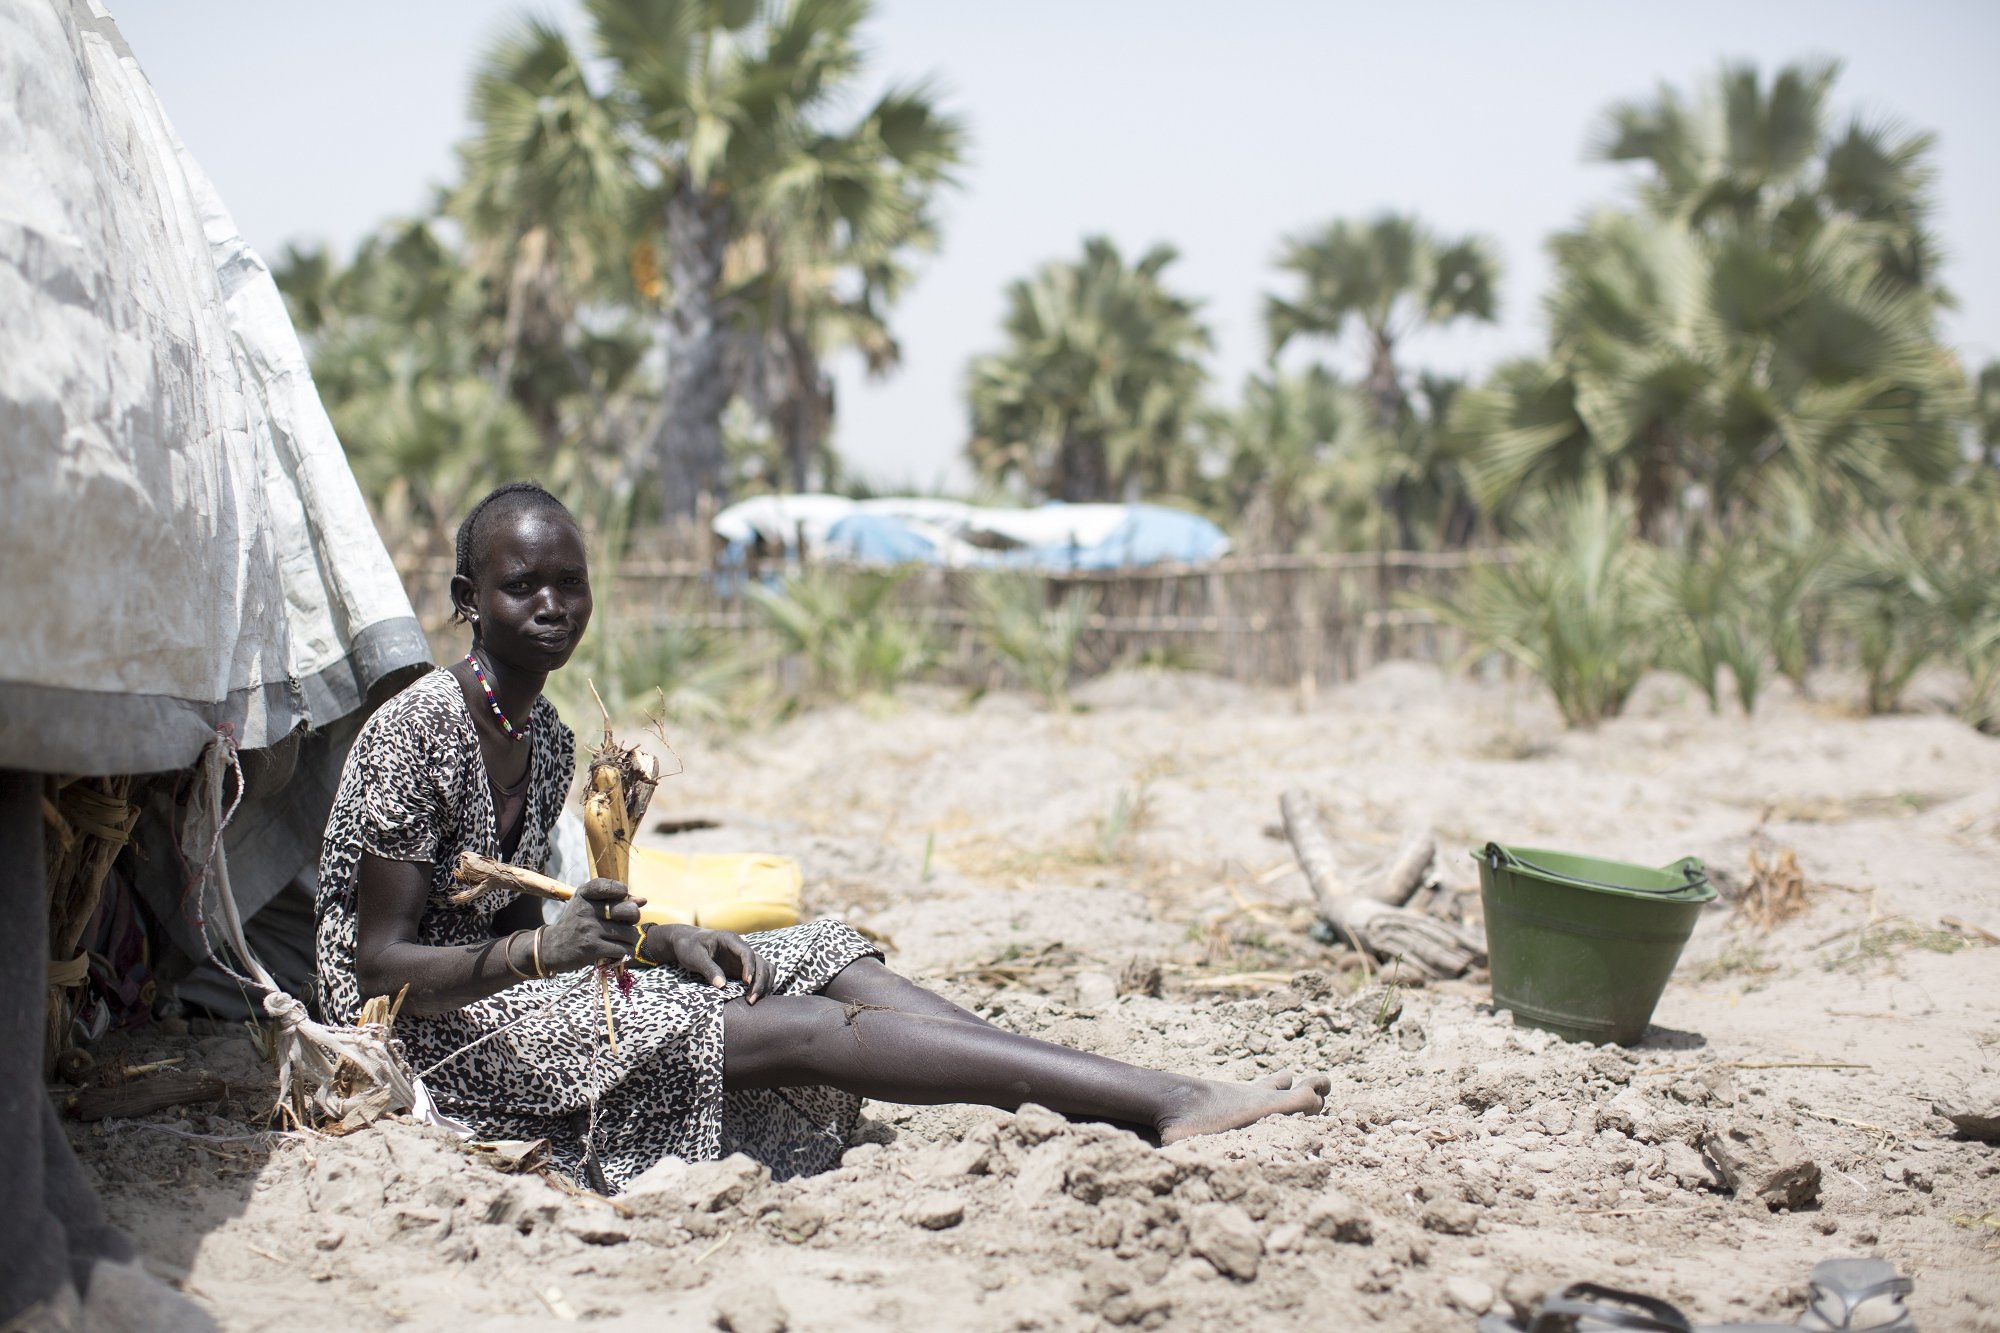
x: 763, y: 1043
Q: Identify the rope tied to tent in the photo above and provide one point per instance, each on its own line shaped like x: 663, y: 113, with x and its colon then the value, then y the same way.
x: 343, y: 1077
x: 89, y: 821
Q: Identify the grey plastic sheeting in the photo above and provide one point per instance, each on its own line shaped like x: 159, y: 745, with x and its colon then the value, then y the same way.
x: 182, y: 545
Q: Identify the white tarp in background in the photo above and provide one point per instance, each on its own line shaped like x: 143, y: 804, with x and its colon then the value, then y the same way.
x: 182, y: 544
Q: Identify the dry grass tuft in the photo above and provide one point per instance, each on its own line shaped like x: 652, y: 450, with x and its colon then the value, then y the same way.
x: 1777, y: 890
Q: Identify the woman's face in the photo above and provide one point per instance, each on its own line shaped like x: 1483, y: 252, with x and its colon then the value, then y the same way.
x: 530, y: 589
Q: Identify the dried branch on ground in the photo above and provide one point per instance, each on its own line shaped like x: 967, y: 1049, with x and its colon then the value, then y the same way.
x: 1432, y: 948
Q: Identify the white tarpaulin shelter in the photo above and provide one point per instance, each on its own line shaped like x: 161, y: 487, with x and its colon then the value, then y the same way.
x: 185, y: 548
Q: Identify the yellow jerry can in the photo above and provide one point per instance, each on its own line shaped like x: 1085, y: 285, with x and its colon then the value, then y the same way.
x: 739, y: 891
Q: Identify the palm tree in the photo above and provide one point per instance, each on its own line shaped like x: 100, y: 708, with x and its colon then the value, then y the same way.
x: 545, y: 197
x: 1423, y: 470
x: 725, y: 103
x: 709, y: 141
x: 305, y: 280
x: 1760, y: 316
x: 1097, y: 387
x: 1737, y: 150
x: 828, y: 260
x: 396, y: 363
x: 1986, y: 416
x: 1530, y: 437
x: 1392, y: 276
x: 1625, y: 322
x: 1298, y: 445
x: 1744, y: 154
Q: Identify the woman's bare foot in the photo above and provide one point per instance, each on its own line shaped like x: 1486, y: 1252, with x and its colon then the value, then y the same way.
x: 1214, y: 1107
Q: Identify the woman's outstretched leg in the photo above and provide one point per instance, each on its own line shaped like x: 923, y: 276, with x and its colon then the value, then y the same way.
x: 891, y: 1056
x: 866, y: 981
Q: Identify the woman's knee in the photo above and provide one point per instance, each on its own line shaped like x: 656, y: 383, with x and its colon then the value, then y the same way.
x: 779, y: 1036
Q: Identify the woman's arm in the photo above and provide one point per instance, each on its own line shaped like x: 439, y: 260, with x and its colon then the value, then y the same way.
x: 600, y: 924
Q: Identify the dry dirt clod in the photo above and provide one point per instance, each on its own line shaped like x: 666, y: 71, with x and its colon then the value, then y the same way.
x: 1043, y: 1173
x: 1224, y: 1235
x: 749, y: 1308
x: 597, y: 1226
x: 968, y: 1157
x: 1450, y: 1217
x: 1690, y: 1169
x: 1759, y: 1161
x: 1720, y: 1087
x: 1468, y: 1294
x: 801, y: 1220
x: 1334, y: 1216
x: 1036, y: 1123
x: 1110, y: 1294
x: 1096, y: 992
x: 709, y: 1187
x: 936, y: 1212
x: 1974, y: 1112
x: 664, y: 1176
x: 1523, y: 1292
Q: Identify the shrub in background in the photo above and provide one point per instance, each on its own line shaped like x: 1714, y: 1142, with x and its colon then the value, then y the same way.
x: 845, y: 629
x: 702, y: 677
x: 1038, y: 642
x: 1577, y: 607
x: 1786, y: 586
x: 1920, y: 584
x: 1881, y: 601
x: 1709, y: 620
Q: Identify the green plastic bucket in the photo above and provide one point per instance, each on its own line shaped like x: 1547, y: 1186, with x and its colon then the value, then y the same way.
x: 1583, y: 947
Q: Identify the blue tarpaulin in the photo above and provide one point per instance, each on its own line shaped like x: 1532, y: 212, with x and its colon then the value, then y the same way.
x: 1147, y: 535
x: 876, y: 539
x: 924, y: 531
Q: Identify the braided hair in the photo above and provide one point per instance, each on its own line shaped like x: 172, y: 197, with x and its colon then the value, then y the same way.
x: 512, y: 496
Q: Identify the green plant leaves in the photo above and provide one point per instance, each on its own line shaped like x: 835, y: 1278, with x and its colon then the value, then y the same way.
x: 846, y: 631
x: 1039, y: 642
x: 1576, y: 607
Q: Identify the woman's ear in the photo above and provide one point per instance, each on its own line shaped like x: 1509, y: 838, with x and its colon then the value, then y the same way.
x: 462, y: 604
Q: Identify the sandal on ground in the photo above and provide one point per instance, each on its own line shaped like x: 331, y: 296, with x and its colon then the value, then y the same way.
x: 1585, y: 1307
x: 1858, y: 1296
x: 1847, y: 1296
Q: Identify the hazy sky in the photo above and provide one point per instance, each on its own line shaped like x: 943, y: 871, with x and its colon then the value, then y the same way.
x: 1218, y: 128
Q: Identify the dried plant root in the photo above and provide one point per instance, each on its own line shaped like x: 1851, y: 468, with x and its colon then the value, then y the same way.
x: 478, y: 872
x: 1431, y: 947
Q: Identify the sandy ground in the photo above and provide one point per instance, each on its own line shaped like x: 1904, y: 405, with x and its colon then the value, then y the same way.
x: 1044, y: 868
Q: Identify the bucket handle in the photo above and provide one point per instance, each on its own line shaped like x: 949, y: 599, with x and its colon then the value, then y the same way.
x: 1495, y: 855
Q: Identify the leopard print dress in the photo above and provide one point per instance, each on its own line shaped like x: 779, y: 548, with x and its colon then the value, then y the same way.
x: 415, y: 789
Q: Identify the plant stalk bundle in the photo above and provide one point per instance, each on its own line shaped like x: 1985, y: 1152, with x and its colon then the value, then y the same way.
x: 620, y: 786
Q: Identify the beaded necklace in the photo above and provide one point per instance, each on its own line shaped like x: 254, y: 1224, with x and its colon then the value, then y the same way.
x: 493, y: 702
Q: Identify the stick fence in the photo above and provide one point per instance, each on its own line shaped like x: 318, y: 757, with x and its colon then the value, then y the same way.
x: 1268, y: 619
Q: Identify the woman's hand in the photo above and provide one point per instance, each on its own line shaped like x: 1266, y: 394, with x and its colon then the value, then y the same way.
x: 712, y: 955
x: 599, y: 924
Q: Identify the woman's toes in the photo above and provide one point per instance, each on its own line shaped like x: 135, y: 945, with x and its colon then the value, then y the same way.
x: 1321, y: 1083
x: 1280, y: 1080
